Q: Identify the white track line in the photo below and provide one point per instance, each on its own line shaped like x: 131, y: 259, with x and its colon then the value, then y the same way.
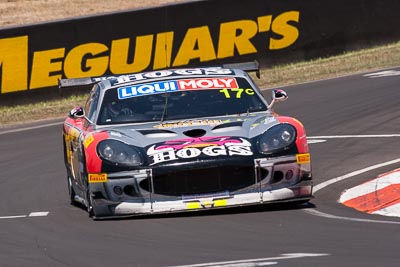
x: 363, y: 73
x: 13, y: 217
x: 330, y: 216
x: 256, y: 262
x: 30, y: 128
x: 39, y: 214
x: 32, y: 214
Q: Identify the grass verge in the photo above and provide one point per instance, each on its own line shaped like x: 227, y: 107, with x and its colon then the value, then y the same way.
x: 350, y: 63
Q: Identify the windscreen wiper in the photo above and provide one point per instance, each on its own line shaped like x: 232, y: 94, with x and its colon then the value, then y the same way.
x: 165, y: 111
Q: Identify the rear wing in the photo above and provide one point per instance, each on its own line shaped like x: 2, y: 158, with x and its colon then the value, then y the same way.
x: 252, y: 66
x: 77, y: 82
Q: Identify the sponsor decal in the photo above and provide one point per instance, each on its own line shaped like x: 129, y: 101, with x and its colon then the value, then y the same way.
x: 146, y: 89
x: 303, y: 158
x: 193, y: 205
x: 269, y: 120
x: 74, y: 132
x: 207, y: 83
x: 115, y: 80
x: 97, y: 178
x: 26, y: 67
x: 220, y: 203
x: 266, y: 121
x: 88, y: 141
x: 198, y: 142
x: 386, y: 73
x: 188, y: 123
x: 117, y: 134
x: 206, y: 204
x: 191, y: 148
x: 171, y: 86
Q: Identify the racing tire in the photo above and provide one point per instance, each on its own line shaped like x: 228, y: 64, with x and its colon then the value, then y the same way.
x: 96, y: 211
x: 89, y: 205
x: 71, y: 192
x: 302, y: 203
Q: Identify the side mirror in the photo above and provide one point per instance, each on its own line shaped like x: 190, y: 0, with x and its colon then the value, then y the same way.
x: 278, y: 95
x: 77, y: 113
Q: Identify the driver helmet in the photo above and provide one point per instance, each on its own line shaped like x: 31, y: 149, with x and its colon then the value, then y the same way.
x: 117, y: 108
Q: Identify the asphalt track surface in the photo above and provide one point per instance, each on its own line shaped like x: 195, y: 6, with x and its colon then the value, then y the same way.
x: 325, y: 233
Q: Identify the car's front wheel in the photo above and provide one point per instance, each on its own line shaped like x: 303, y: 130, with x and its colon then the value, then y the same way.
x: 89, y: 205
x: 96, y: 211
x: 71, y: 192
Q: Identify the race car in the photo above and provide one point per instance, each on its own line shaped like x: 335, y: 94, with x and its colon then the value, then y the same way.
x: 179, y: 140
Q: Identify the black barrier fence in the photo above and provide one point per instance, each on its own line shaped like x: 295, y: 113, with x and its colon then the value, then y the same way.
x: 190, y: 34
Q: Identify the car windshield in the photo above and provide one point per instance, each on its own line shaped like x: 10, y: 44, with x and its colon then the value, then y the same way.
x: 179, y: 99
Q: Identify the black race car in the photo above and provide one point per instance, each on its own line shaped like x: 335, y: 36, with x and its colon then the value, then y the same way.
x: 180, y: 140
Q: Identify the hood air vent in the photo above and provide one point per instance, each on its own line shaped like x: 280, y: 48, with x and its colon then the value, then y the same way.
x: 195, y: 133
x: 156, y: 133
x: 224, y: 126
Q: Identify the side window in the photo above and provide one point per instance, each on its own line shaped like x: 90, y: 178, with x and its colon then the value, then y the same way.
x: 91, y: 104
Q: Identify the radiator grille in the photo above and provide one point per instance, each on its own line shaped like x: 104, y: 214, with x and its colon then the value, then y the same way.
x: 201, y: 181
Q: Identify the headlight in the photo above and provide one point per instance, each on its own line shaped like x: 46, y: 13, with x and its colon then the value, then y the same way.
x: 279, y: 137
x: 118, y: 153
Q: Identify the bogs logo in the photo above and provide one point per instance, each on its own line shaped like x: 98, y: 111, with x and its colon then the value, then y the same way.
x: 191, y: 148
x: 24, y: 67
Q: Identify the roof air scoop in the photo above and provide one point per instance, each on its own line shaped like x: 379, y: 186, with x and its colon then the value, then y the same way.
x: 195, y: 133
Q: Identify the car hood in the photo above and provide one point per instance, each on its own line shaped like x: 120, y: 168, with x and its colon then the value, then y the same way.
x: 145, y: 134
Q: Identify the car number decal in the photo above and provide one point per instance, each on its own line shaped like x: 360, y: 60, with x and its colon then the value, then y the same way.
x: 236, y: 92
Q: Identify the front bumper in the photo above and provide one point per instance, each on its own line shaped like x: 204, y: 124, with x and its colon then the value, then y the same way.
x: 138, y: 192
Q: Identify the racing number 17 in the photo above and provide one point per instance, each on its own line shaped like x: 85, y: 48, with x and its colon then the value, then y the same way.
x: 238, y: 91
